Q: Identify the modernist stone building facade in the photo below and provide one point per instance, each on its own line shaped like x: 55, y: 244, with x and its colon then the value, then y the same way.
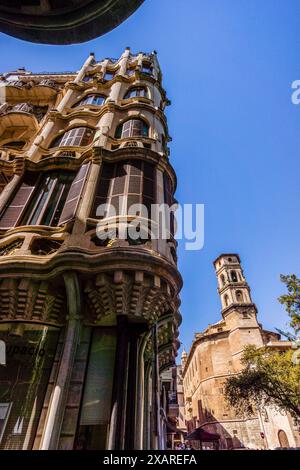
x: 89, y: 319
x: 215, y: 355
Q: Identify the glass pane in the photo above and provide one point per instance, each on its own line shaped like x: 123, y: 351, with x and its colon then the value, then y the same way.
x: 137, y: 127
x: 135, y: 167
x: 134, y: 185
x: 126, y: 129
x: 87, y: 137
x: 39, y: 200
x: 30, y: 351
x: 109, y: 75
x: 57, y: 199
x: 98, y: 100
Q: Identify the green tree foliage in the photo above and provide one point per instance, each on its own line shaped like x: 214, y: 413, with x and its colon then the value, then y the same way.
x: 269, y: 377
x: 291, y: 300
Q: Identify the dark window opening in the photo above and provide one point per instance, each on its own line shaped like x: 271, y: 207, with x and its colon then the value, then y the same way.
x: 130, y: 71
x: 109, y: 75
x: 239, y: 296
x: 15, y: 144
x: 87, y: 78
x: 146, y: 68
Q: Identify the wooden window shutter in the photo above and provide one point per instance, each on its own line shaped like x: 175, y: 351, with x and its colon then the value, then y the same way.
x: 74, y: 194
x: 14, y: 210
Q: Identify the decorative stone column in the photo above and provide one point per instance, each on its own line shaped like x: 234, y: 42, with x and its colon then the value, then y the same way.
x: 56, y: 409
x: 8, y: 191
x: 141, y: 395
x: 48, y: 128
x: 87, y: 197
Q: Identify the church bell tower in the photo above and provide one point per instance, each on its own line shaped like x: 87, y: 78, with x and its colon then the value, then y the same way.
x: 238, y: 310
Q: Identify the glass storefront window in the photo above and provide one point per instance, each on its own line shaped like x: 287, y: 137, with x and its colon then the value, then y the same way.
x: 96, y: 404
x: 30, y: 352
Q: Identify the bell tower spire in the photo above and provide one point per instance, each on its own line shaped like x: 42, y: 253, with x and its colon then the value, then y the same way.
x: 232, y: 285
x: 238, y: 310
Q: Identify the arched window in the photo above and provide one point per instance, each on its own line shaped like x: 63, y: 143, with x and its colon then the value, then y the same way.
x: 136, y: 92
x: 132, y: 128
x: 95, y: 100
x: 283, y: 440
x: 226, y: 300
x: 234, y: 276
x: 239, y: 296
x: 222, y: 280
x: 76, y: 137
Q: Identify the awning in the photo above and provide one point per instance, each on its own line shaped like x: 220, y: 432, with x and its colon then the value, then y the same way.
x: 200, y: 434
x: 173, y: 429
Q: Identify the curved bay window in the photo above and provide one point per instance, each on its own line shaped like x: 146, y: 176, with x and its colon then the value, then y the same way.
x: 49, y: 198
x: 76, y: 137
x: 123, y: 184
x: 95, y: 100
x: 136, y: 92
x: 30, y: 353
x: 132, y: 128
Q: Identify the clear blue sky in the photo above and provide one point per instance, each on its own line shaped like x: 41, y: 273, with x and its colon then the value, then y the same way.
x: 228, y: 66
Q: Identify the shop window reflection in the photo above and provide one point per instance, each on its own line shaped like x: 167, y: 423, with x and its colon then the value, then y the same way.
x: 30, y: 352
